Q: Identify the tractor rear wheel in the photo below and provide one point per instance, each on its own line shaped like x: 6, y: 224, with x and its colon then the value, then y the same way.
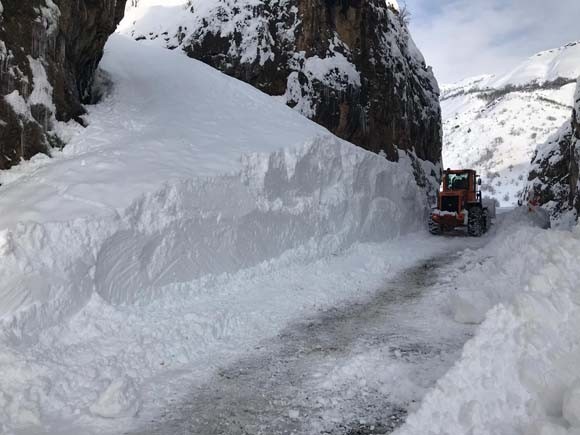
x: 486, y: 220
x: 475, y: 224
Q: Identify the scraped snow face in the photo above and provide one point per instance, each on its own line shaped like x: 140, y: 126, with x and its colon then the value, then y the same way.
x: 494, y: 124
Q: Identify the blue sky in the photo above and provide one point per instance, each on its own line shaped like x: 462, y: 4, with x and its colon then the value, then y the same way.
x: 463, y: 38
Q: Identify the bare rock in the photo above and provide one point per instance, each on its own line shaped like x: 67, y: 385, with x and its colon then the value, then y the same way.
x: 49, y: 51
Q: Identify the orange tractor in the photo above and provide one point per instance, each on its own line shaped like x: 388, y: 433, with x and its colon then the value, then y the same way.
x: 459, y: 204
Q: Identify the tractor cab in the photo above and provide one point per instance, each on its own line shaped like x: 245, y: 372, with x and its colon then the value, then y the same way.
x: 459, y: 204
x: 458, y: 190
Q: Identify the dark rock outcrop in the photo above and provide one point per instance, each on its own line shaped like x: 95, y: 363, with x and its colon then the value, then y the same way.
x: 349, y: 65
x: 49, y: 51
x: 554, y: 178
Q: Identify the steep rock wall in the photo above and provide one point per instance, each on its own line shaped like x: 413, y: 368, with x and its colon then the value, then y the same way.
x: 49, y: 51
x: 554, y: 178
x: 349, y: 65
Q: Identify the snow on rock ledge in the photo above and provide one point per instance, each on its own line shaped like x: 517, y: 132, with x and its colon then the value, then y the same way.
x: 350, y: 66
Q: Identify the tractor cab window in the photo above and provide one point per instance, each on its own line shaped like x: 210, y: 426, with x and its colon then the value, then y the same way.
x: 458, y: 181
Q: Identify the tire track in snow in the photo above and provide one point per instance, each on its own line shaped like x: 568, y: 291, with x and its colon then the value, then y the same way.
x: 350, y: 370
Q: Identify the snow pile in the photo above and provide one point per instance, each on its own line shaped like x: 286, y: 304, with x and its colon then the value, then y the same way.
x: 183, y: 179
x: 520, y: 373
x: 477, y: 296
x: 494, y: 124
x: 41, y: 95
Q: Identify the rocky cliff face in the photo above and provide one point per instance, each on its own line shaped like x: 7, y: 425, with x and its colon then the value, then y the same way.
x: 554, y: 179
x: 349, y: 65
x: 49, y: 51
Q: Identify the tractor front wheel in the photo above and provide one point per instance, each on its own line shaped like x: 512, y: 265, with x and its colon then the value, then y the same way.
x: 434, y: 227
x: 475, y: 223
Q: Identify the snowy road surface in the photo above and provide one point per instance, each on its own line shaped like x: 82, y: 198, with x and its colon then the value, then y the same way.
x: 352, y: 369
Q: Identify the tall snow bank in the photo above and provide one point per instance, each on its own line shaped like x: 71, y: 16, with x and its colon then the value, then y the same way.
x: 520, y: 373
x: 183, y: 172
x: 326, y: 195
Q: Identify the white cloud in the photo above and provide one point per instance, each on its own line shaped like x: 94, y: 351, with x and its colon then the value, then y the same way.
x: 462, y: 38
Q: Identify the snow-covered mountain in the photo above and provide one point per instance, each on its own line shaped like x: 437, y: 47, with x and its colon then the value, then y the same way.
x: 495, y: 123
x: 350, y: 66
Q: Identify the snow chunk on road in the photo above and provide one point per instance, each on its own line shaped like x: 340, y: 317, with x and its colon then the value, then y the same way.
x: 470, y: 308
x: 119, y: 399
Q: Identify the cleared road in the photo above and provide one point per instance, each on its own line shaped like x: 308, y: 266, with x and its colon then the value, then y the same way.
x: 355, y: 369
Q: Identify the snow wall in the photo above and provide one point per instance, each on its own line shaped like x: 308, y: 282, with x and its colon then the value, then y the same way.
x: 321, y: 197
